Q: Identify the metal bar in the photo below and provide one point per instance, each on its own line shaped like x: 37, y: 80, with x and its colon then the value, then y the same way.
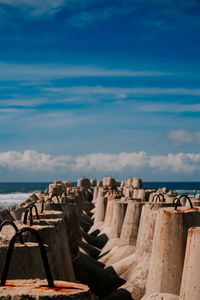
x: 42, y: 251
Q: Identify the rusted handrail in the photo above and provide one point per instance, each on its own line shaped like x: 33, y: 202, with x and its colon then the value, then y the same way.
x: 183, y: 196
x: 28, y: 211
x: 42, y: 206
x: 158, y: 196
x: 36, y: 211
x: 42, y: 251
x: 176, y: 201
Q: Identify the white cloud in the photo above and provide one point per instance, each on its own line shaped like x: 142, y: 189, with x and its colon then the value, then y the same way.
x: 33, y: 161
x: 182, y: 136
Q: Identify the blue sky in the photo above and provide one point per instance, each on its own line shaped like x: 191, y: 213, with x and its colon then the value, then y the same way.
x: 97, y: 88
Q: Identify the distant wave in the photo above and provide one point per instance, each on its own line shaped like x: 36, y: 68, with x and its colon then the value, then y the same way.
x: 7, y: 200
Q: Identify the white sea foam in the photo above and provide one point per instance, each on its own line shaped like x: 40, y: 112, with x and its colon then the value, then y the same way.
x: 7, y: 200
x: 189, y: 192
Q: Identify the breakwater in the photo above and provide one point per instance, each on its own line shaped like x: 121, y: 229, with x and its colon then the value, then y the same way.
x: 101, y: 240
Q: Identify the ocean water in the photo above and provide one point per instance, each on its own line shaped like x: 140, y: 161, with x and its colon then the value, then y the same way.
x: 12, y: 193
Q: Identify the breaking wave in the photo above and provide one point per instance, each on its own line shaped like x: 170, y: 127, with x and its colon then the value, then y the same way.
x: 8, y: 200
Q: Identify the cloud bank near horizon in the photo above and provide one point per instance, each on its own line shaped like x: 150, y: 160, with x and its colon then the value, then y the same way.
x: 32, y: 161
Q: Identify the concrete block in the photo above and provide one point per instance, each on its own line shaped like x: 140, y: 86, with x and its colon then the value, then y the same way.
x: 36, y: 289
x: 190, y: 284
x: 100, y: 281
x: 59, y: 255
x: 134, y: 268
x: 162, y: 296
x: 26, y: 261
x: 168, y: 252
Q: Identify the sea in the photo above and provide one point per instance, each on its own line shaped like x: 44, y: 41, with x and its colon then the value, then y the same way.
x: 12, y: 193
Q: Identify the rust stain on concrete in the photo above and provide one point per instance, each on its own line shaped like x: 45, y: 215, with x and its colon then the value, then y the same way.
x: 64, y: 288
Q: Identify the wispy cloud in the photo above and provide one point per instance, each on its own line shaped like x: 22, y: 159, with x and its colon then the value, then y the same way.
x: 140, y: 98
x: 173, y: 107
x: 181, y: 137
x: 33, y: 161
x: 87, y: 17
x: 141, y: 91
x: 57, y: 119
x: 36, y: 7
x: 20, y: 103
x: 33, y: 72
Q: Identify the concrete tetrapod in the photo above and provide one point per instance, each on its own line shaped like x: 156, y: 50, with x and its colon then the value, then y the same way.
x: 168, y: 252
x: 134, y: 268
x: 26, y: 261
x: 58, y: 255
x: 162, y: 296
x: 108, y: 215
x: 128, y: 236
x: 18, y: 211
x: 119, y: 211
x: 63, y: 254
x: 5, y: 215
x: 23, y: 255
x: 63, y: 246
x: 190, y: 284
x: 72, y: 221
x: 100, y: 281
x: 37, y: 289
x: 103, y: 235
x: 95, y: 194
x: 72, y: 224
x: 100, y: 210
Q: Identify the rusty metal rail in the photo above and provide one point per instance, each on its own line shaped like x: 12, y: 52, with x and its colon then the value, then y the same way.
x: 42, y: 251
x: 158, y: 196
x: 178, y: 202
x: 29, y: 213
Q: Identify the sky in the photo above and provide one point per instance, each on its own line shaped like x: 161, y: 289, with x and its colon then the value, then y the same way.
x: 99, y: 88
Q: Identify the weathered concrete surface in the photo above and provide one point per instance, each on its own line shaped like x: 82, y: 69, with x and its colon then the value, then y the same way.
x: 100, y: 206
x: 72, y: 224
x: 100, y: 281
x: 7, y: 233
x: 119, y: 211
x: 59, y: 255
x: 17, y: 212
x: 190, y: 284
x: 131, y: 223
x: 168, y: 252
x: 95, y: 194
x: 162, y: 296
x: 108, y: 215
x: 5, y: 215
x: 126, y: 244
x: 38, y: 289
x: 116, y: 254
x: 134, y: 268
x: 51, y: 214
x: 26, y: 262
